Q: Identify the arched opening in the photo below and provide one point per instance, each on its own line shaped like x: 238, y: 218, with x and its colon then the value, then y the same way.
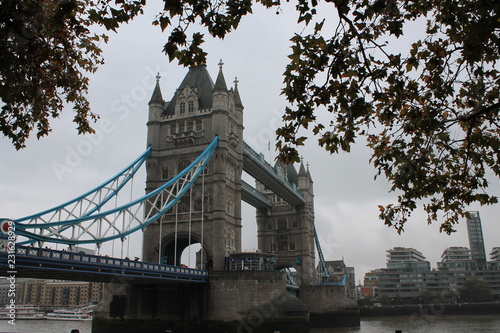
x: 184, y: 250
x: 291, y: 277
x: 191, y: 256
x: 291, y: 274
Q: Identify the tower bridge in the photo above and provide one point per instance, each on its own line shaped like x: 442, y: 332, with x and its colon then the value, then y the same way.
x: 194, y: 191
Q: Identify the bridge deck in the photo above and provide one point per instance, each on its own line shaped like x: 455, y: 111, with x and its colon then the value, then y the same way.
x: 32, y: 262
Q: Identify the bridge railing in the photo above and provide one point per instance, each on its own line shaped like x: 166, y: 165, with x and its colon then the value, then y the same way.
x: 104, y: 260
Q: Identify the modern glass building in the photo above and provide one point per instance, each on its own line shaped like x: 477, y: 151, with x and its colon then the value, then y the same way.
x: 457, y: 258
x: 476, y: 240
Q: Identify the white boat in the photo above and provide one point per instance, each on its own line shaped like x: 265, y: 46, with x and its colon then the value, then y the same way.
x: 71, y: 314
x: 22, y: 312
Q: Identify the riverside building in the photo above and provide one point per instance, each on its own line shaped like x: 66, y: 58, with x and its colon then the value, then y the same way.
x: 408, y: 275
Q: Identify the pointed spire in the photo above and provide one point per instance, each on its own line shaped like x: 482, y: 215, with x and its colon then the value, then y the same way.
x: 157, y: 97
x: 309, y: 173
x: 237, y: 99
x: 302, y: 170
x: 220, y: 83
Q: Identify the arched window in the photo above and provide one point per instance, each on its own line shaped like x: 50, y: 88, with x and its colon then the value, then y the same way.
x: 182, y: 165
x: 190, y: 106
x: 182, y: 108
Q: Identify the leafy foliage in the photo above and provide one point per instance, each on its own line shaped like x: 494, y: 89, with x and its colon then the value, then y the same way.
x: 44, y: 46
x: 430, y: 114
x: 45, y: 49
x: 475, y: 290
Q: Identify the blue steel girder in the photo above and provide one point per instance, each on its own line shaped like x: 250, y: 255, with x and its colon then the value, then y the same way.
x: 257, y: 167
x: 96, y: 226
x: 91, y: 201
x: 323, y: 269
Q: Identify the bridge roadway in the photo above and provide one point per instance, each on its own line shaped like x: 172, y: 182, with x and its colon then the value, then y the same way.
x: 257, y: 167
x: 33, y: 262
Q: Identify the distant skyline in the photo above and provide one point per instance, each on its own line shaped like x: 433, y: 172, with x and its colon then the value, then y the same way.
x: 64, y: 165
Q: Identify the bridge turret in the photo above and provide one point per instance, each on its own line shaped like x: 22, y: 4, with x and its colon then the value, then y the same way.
x: 305, y: 183
x: 220, y: 97
x: 156, y: 103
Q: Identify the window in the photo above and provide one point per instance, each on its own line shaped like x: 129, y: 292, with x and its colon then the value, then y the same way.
x: 190, y: 106
x: 230, y: 207
x: 197, y: 204
x: 282, y: 245
x: 199, y: 125
x: 230, y: 172
x: 183, y: 205
x: 164, y: 173
x: 182, y: 165
x: 282, y: 224
x: 182, y: 108
x: 190, y: 126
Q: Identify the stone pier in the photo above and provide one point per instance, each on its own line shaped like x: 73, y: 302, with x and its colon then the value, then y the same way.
x: 329, y: 307
x: 233, y: 301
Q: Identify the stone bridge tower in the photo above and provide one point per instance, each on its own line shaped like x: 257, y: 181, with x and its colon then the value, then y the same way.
x: 178, y: 131
x: 288, y: 230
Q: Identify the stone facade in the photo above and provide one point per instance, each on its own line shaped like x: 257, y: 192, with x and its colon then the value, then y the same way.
x: 178, y: 132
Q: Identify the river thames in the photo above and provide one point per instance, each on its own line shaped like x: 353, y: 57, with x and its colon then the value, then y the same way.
x: 422, y: 324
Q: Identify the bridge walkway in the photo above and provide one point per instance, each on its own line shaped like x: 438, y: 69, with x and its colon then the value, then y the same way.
x: 257, y: 167
x: 33, y: 262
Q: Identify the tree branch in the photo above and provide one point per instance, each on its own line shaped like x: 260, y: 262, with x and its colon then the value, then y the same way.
x: 476, y: 114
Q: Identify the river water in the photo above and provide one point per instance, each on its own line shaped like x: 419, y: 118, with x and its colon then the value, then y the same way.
x: 422, y: 324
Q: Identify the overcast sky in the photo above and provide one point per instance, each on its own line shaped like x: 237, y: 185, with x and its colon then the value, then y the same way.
x: 346, y: 195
